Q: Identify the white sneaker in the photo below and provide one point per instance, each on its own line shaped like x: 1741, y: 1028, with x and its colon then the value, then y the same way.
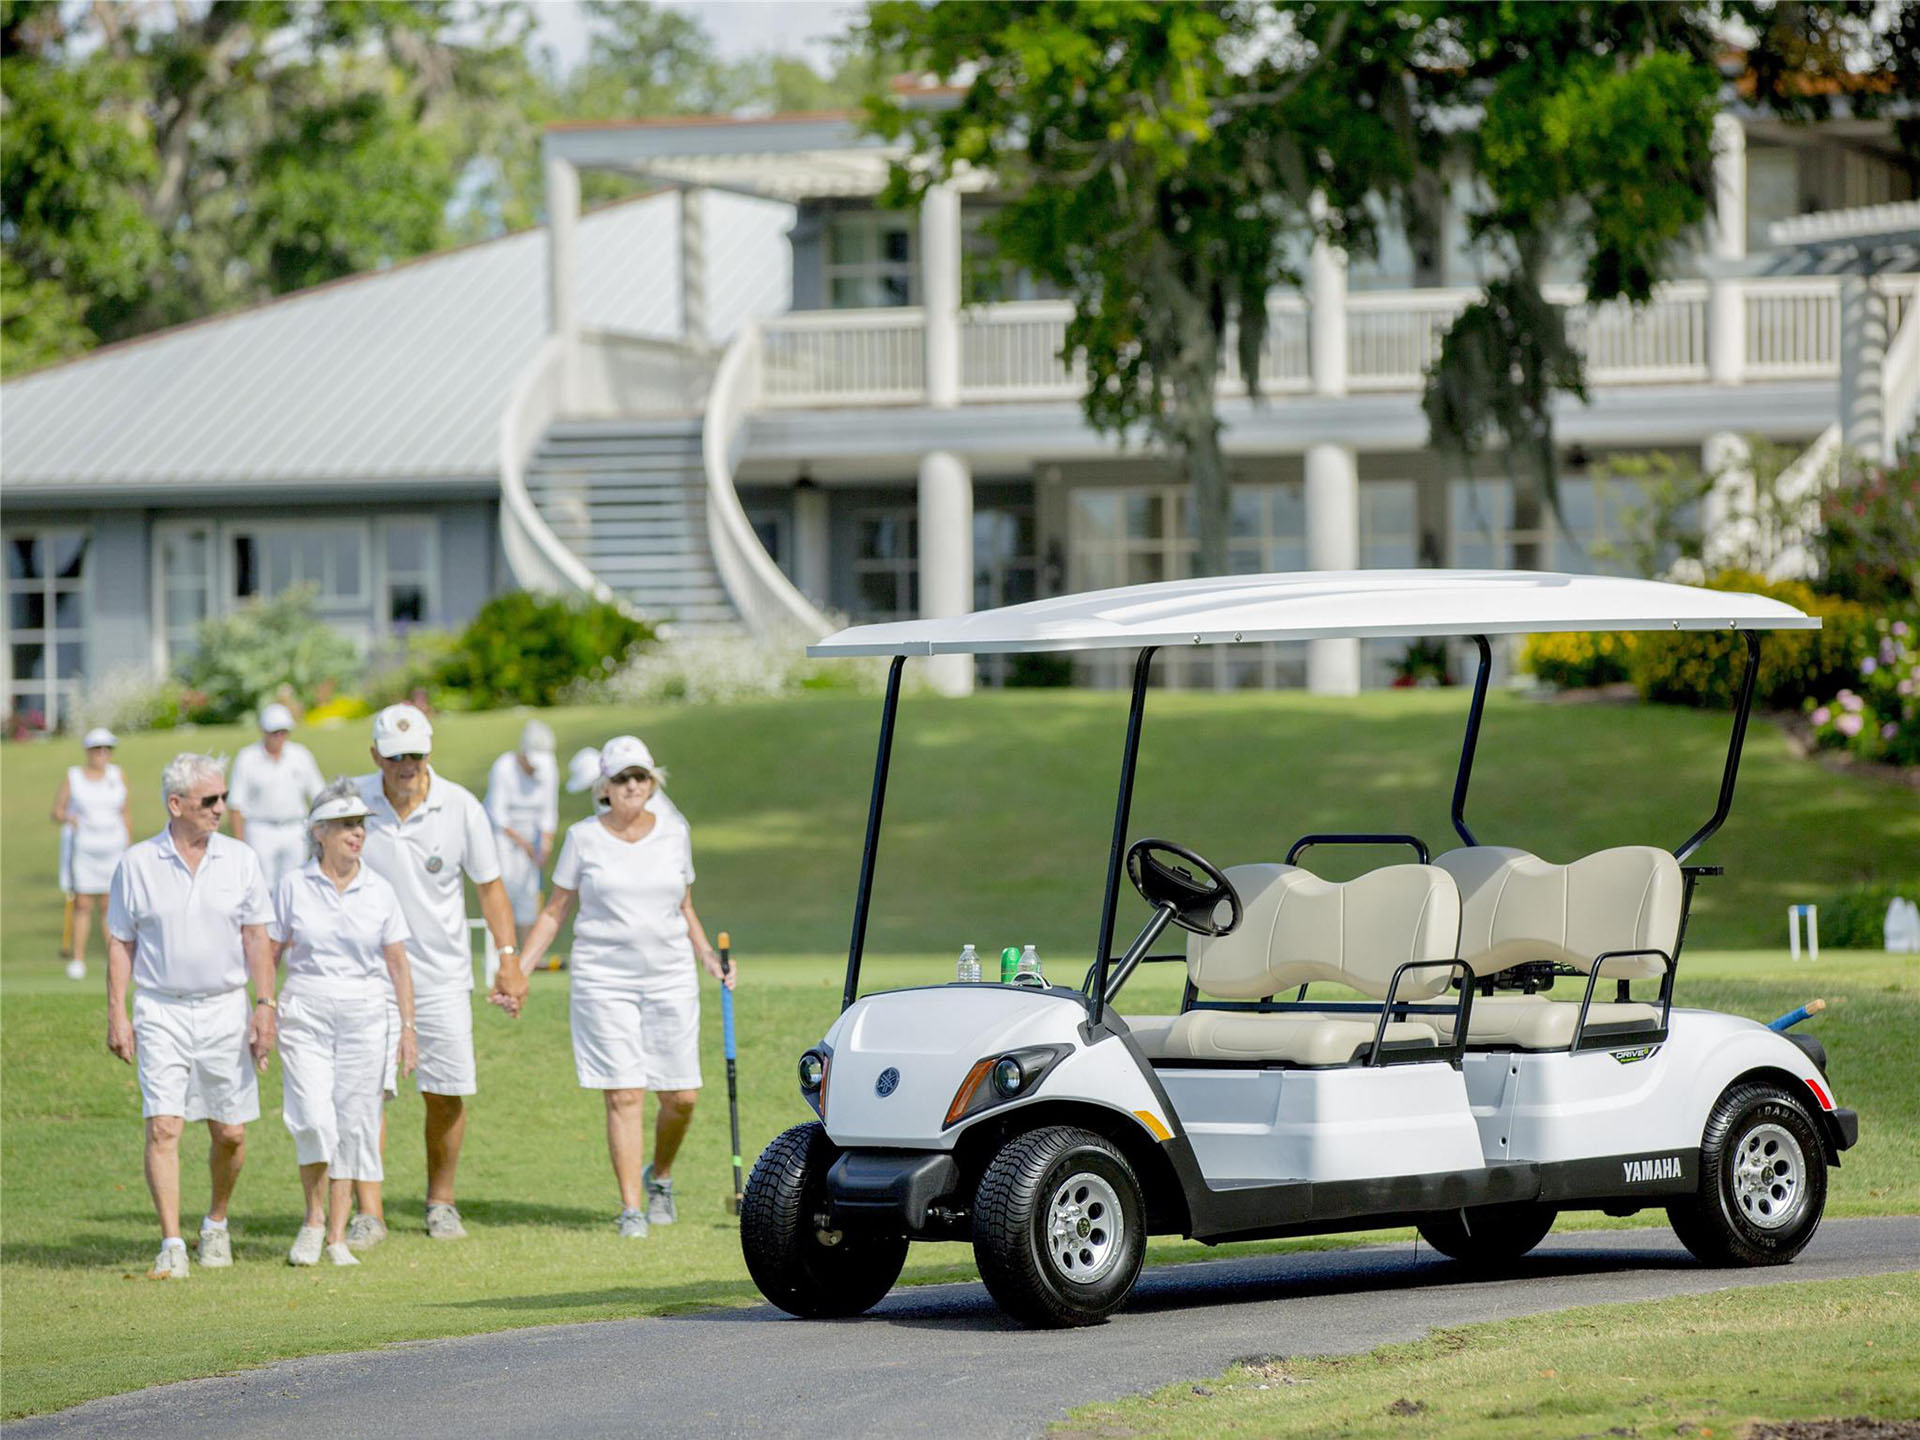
x: 659, y: 1193
x: 443, y: 1222
x: 76, y: 969
x: 341, y: 1255
x: 215, y: 1249
x: 365, y: 1231
x: 307, y: 1244
x: 633, y: 1225
x: 171, y: 1263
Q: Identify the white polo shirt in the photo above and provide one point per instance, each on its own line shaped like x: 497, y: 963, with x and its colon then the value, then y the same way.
x: 527, y: 803
x: 274, y: 792
x: 336, y: 934
x: 185, y: 924
x: 422, y: 857
x: 630, y: 930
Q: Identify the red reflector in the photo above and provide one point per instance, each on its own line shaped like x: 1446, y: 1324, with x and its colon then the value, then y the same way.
x: 1826, y: 1102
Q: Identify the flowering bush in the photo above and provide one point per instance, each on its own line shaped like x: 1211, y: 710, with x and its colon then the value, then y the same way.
x: 1869, y: 538
x: 719, y: 670
x: 1878, y: 716
x: 1577, y: 660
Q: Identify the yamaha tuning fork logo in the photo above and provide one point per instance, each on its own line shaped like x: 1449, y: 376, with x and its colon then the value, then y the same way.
x: 888, y: 1082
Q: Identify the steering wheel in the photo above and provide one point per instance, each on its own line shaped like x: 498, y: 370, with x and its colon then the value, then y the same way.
x: 1193, y: 902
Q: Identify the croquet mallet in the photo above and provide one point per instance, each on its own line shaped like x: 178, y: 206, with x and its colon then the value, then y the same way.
x: 733, y: 1079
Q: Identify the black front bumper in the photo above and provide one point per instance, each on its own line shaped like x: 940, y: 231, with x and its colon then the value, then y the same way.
x: 1843, y: 1127
x: 889, y: 1188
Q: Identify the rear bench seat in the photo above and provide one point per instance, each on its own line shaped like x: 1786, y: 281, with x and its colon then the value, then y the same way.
x: 1517, y: 908
x: 1299, y: 929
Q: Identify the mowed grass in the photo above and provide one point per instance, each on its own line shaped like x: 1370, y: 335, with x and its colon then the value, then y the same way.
x: 997, y: 833
x: 1703, y: 1365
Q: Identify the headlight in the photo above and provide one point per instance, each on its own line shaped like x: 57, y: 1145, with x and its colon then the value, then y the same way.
x: 1008, y: 1077
x: 997, y: 1079
x: 816, y: 1067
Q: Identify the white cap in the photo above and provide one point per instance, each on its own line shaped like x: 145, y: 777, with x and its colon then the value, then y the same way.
x: 624, y: 752
x: 582, y: 770
x: 536, y: 738
x: 402, y: 730
x: 99, y: 735
x: 340, y: 807
x: 275, y: 717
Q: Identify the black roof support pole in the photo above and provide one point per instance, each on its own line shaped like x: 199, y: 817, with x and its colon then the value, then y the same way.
x: 1472, y: 740
x: 857, y: 945
x: 1122, y: 815
x: 1743, y: 708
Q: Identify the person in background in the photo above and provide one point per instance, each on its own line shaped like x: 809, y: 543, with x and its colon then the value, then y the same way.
x: 94, y: 811
x: 523, y: 802
x: 187, y: 921
x: 339, y: 928
x: 638, y: 948
x: 423, y: 833
x: 274, y: 781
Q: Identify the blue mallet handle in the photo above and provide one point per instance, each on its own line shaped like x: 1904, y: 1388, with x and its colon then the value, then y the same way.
x: 733, y: 1079
x: 1794, y: 1017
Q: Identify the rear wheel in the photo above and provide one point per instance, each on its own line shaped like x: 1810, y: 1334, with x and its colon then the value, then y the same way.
x: 1763, y: 1180
x: 799, y: 1263
x: 1059, y: 1228
x: 1488, y: 1234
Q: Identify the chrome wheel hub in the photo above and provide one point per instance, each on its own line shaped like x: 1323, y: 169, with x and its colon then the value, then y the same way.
x: 1085, y: 1228
x: 1769, y: 1177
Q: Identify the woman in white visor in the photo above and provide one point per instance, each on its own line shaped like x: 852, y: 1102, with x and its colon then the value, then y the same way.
x: 339, y: 928
x: 638, y: 948
x: 96, y: 820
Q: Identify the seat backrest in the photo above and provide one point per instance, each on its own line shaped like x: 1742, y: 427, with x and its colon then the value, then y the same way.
x: 1517, y: 908
x: 1298, y: 928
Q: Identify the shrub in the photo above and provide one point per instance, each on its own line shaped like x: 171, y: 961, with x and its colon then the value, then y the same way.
x: 1856, y: 919
x: 1869, y: 541
x: 129, y: 700
x: 720, y: 670
x: 247, y: 657
x: 528, y: 649
x: 1576, y: 660
x: 1705, y: 667
x: 1877, y: 716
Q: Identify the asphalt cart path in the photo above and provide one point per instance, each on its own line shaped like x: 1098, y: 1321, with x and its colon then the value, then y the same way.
x: 933, y: 1360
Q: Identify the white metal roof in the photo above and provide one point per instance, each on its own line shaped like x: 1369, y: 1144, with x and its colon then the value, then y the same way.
x: 399, y: 374
x: 1323, y: 605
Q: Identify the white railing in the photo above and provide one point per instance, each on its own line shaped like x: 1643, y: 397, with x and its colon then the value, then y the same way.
x: 843, y: 357
x: 534, y: 553
x: 1012, y: 352
x: 1793, y: 329
x: 1661, y: 342
x: 766, y: 599
x: 613, y: 374
x: 1900, y: 375
x: 1393, y: 336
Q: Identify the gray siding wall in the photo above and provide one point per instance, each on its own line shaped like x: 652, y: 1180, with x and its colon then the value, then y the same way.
x: 472, y: 569
x: 120, y: 579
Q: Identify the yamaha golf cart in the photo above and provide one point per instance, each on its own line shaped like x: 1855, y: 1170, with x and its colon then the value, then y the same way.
x: 1491, y: 1040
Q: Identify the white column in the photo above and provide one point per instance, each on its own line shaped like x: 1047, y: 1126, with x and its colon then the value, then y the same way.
x: 1726, y: 299
x: 563, y: 261
x: 946, y: 558
x: 1863, y: 355
x: 940, y: 293
x: 811, y: 543
x: 693, y: 265
x: 1327, y: 313
x: 1333, y: 543
x: 1727, y: 520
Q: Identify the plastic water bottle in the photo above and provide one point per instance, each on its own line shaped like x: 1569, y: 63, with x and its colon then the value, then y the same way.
x: 968, y: 971
x: 1009, y: 963
x: 1027, y: 972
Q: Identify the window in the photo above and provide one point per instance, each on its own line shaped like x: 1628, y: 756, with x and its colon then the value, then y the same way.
x: 186, y: 587
x: 270, y: 559
x: 1389, y: 525
x: 886, y: 572
x: 871, y: 262
x: 46, y: 624
x: 1004, y: 571
x: 410, y: 572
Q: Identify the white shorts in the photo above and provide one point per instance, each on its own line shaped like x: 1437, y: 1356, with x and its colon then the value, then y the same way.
x: 335, y: 1037
x: 443, y: 1030
x: 522, y: 879
x: 281, y: 846
x: 636, y: 1039
x: 192, y: 1056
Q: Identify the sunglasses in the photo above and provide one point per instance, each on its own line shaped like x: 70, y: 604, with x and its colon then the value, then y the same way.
x: 634, y: 776
x: 352, y: 822
x: 209, y: 802
x: 397, y: 759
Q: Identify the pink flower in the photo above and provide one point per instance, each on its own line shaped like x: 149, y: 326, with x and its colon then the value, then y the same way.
x: 1822, y: 715
x: 1889, y: 730
x: 1849, y: 725
x: 1868, y: 666
x: 1907, y: 686
x: 1851, y: 702
x: 1900, y: 627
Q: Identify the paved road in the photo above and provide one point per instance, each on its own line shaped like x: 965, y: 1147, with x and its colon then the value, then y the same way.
x: 933, y: 1360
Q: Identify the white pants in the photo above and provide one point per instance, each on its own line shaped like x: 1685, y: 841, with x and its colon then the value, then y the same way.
x: 281, y: 846
x: 443, y: 1030
x: 193, y: 1057
x: 335, y: 1042
x: 633, y: 1039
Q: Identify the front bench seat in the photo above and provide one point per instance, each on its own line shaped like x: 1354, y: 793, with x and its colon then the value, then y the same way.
x: 1297, y: 929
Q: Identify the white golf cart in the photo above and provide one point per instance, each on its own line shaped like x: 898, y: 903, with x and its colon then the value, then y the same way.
x: 1452, y: 1082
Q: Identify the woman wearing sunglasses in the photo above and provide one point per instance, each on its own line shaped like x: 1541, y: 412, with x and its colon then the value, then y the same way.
x: 638, y: 948
x: 339, y: 928
x: 96, y: 826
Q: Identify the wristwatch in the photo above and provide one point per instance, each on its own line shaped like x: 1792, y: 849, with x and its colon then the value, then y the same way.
x: 268, y: 1001
x: 406, y: 1025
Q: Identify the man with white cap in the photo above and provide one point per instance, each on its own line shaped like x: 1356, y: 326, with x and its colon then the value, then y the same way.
x: 187, y: 918
x: 423, y: 833
x: 274, y: 781
x: 523, y: 802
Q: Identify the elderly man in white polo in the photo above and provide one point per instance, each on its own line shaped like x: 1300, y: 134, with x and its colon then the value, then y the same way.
x: 187, y: 916
x: 274, y: 781
x: 423, y: 832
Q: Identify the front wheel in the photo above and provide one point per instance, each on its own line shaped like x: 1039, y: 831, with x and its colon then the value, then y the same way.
x: 799, y: 1263
x: 1763, y: 1180
x: 1059, y: 1228
x: 1489, y: 1235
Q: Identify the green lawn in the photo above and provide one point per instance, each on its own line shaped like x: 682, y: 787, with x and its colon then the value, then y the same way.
x: 997, y: 832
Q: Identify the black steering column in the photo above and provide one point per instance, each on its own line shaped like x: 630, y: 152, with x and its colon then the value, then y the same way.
x: 1178, y: 896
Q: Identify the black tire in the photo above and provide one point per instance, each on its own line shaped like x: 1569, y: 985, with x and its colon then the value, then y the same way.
x: 813, y: 1273
x: 1065, y: 1173
x: 1489, y: 1235
x: 1760, y: 1197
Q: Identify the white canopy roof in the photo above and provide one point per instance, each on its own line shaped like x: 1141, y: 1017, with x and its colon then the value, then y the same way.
x: 1323, y: 605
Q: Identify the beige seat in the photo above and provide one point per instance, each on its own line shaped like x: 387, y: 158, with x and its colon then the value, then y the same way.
x: 1299, y: 929
x: 1517, y: 909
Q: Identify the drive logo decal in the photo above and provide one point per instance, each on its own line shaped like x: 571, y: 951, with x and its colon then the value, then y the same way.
x: 1666, y: 1167
x: 1628, y: 1057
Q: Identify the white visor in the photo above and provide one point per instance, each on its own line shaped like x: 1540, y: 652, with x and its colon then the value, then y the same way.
x: 340, y: 807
